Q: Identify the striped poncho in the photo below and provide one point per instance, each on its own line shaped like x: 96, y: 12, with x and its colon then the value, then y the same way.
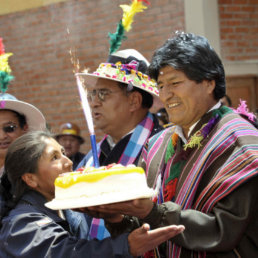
x: 226, y: 158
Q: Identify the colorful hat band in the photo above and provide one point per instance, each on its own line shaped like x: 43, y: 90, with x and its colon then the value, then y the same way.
x: 127, y: 73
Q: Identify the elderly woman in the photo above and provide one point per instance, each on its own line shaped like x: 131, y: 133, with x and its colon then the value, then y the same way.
x: 29, y: 229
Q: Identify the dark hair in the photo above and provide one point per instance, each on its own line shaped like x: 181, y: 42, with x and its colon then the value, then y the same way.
x: 192, y: 55
x: 163, y: 115
x: 228, y: 99
x: 147, y: 99
x: 22, y: 156
x: 21, y: 118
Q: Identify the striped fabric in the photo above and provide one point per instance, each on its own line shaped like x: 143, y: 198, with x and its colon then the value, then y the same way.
x: 139, y: 137
x: 239, y: 166
x: 98, y: 229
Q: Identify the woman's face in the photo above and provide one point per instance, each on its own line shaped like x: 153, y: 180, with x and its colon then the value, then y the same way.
x: 9, y: 119
x: 52, y: 163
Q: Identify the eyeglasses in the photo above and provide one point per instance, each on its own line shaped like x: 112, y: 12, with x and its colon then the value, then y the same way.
x: 102, y: 93
x: 9, y: 128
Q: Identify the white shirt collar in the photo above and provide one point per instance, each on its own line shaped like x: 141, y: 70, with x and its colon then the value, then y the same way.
x: 111, y: 142
x: 179, y: 130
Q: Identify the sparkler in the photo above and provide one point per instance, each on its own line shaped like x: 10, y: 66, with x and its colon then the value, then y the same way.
x: 85, y: 106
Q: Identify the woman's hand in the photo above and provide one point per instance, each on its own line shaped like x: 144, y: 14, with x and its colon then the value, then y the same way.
x: 143, y: 239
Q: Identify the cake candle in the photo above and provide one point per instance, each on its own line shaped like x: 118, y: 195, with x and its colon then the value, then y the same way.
x: 89, y: 120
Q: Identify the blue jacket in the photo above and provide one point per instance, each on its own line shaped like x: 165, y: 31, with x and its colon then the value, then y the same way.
x: 33, y: 230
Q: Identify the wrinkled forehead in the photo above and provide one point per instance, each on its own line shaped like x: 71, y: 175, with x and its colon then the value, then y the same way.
x: 168, y: 73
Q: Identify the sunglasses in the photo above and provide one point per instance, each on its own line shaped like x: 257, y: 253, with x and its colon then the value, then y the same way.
x: 101, y: 93
x: 9, y: 128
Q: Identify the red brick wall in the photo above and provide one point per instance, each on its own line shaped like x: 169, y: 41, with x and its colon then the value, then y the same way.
x: 239, y: 29
x: 239, y: 42
x: 41, y: 63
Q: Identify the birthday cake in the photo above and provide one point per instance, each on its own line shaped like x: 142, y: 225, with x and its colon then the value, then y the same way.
x: 94, y: 186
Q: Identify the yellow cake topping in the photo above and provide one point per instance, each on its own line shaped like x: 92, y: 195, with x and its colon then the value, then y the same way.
x: 91, y: 174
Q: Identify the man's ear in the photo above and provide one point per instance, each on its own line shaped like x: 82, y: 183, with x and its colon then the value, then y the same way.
x: 211, y: 86
x: 25, y: 128
x: 30, y: 180
x: 135, y: 100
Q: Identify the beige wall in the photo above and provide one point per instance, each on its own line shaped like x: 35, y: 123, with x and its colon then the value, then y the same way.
x: 206, y: 17
x: 202, y: 17
x: 12, y: 6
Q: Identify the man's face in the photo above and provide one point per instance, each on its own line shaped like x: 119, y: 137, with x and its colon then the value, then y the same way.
x: 8, y: 120
x: 112, y: 114
x: 52, y: 163
x: 185, y: 100
x: 70, y: 143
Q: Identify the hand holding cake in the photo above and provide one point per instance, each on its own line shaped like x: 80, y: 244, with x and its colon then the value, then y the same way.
x: 41, y: 232
x: 138, y: 207
x: 96, y: 186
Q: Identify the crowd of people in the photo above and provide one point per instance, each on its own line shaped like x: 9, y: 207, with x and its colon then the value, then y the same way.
x: 202, y: 160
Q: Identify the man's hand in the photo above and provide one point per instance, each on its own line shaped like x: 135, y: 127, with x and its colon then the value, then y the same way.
x: 139, y: 208
x: 95, y: 213
x: 142, y: 239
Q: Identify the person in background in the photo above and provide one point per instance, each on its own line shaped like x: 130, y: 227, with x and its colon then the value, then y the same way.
x: 162, y: 116
x: 29, y: 229
x: 16, y: 118
x: 226, y: 101
x: 205, y: 168
x: 69, y: 137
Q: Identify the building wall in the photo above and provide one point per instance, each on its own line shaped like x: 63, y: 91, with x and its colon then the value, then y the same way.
x: 11, y: 6
x: 239, y: 49
x: 35, y: 31
x: 239, y: 29
x: 231, y: 27
x: 41, y: 62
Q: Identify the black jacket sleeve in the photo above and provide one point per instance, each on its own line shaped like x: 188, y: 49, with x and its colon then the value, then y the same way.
x: 36, y: 235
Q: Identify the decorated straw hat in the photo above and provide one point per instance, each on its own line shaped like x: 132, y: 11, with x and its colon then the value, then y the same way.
x: 127, y: 66
x: 34, y: 118
x: 70, y: 129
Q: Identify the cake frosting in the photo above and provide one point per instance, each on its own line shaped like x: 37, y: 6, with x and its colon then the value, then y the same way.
x: 106, y: 184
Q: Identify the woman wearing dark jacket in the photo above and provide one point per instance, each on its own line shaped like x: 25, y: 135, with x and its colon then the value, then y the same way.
x: 29, y: 229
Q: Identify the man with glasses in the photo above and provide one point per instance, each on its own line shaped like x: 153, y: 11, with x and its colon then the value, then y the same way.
x: 120, y: 95
x: 16, y: 118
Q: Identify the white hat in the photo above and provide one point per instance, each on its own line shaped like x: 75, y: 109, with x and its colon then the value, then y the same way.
x: 34, y: 118
x: 127, y: 66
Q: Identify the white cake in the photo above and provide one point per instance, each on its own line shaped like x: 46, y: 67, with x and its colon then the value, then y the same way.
x: 93, y: 186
